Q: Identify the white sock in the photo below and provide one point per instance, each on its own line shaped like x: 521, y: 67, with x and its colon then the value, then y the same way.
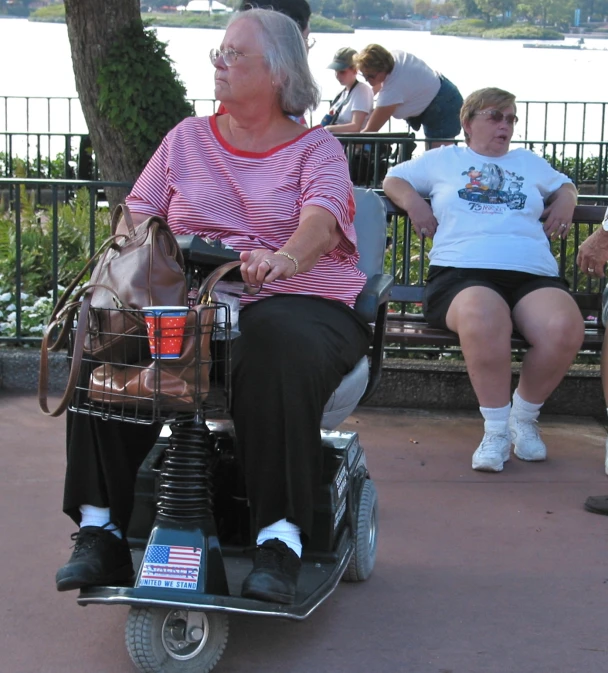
x: 525, y: 411
x: 99, y: 517
x: 285, y: 531
x: 496, y: 418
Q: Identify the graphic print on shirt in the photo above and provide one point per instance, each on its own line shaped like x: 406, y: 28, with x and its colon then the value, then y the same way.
x: 492, y: 188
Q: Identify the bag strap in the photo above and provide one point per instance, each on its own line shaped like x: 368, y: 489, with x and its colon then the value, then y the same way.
x: 67, y: 315
x: 78, y: 350
x: 338, y: 109
x: 122, y: 210
x: 111, y: 242
x: 205, y: 290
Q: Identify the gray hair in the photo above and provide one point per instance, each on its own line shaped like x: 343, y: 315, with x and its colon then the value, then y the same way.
x: 286, y: 57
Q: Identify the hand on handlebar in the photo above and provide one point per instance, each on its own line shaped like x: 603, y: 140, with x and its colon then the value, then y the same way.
x: 263, y: 266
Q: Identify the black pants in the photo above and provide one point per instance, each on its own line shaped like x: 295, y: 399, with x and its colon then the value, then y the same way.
x: 292, y: 354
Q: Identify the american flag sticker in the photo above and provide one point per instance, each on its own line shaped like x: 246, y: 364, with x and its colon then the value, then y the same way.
x: 170, y: 567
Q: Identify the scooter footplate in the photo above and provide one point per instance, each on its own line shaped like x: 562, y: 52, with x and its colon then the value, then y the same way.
x: 317, y: 581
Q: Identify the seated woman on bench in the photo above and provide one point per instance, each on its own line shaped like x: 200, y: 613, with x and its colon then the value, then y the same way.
x: 491, y: 267
x: 280, y: 193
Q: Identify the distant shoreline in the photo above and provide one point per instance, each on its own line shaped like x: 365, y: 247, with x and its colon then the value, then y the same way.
x: 319, y: 24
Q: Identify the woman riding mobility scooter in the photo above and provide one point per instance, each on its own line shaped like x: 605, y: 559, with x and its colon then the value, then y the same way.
x: 189, y: 533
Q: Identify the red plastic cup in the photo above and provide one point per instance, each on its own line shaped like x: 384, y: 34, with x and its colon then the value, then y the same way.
x: 166, y: 326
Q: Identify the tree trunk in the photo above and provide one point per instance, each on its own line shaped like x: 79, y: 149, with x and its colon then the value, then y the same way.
x: 93, y: 27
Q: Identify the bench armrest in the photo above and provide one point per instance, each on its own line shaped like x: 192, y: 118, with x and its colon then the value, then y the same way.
x: 375, y: 292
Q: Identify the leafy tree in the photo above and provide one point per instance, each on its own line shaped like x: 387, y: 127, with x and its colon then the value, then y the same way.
x: 423, y: 8
x: 467, y: 8
x: 494, y: 8
x: 109, y: 42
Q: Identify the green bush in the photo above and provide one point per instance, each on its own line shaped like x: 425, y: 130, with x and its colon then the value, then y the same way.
x: 51, y: 13
x: 321, y: 24
x: 523, y: 32
x: 588, y: 171
x: 466, y: 28
x: 479, y: 28
x: 187, y: 19
x: 30, y: 168
x: 37, y: 237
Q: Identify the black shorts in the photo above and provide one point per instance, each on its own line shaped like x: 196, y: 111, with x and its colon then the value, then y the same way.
x: 445, y: 282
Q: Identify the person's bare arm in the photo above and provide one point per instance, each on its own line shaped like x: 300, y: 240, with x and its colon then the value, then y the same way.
x: 379, y: 117
x: 402, y: 194
x: 354, y: 126
x: 593, y: 253
x: 317, y: 234
x: 559, y: 208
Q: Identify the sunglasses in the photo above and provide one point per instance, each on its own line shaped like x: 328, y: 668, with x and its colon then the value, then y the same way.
x: 369, y: 76
x: 497, y: 116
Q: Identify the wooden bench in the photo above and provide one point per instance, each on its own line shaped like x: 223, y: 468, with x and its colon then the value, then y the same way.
x: 407, y: 327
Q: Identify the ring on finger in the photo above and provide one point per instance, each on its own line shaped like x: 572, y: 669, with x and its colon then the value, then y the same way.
x: 265, y: 261
x: 563, y: 225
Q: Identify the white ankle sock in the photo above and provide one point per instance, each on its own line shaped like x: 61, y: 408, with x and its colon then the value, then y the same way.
x: 285, y: 531
x: 98, y: 516
x: 496, y: 418
x: 526, y: 411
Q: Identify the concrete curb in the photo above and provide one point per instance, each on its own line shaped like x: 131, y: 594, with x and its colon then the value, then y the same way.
x: 411, y: 384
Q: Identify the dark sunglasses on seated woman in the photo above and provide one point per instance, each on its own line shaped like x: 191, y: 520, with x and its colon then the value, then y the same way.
x: 497, y: 116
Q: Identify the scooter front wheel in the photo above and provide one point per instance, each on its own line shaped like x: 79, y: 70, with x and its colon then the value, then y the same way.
x: 161, y: 640
x: 363, y: 559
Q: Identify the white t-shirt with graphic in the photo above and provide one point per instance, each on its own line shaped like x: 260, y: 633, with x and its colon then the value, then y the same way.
x: 361, y: 100
x: 488, y: 208
x: 411, y: 86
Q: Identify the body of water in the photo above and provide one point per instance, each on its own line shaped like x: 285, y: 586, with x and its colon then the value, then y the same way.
x: 41, y: 65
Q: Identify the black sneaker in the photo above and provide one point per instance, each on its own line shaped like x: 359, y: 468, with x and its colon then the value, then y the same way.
x: 275, y: 573
x: 99, y: 557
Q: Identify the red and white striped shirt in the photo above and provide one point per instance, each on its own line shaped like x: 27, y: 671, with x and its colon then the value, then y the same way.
x: 201, y: 185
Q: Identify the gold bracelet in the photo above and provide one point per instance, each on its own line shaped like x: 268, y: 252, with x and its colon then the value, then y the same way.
x: 290, y: 257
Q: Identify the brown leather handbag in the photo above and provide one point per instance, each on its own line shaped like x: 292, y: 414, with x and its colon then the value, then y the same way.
x: 141, y: 268
x: 180, y: 384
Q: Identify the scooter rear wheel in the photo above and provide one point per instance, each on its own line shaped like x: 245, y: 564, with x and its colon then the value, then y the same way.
x: 363, y: 559
x: 161, y: 640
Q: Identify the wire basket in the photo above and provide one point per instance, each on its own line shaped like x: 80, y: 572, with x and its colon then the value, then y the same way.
x: 123, y: 381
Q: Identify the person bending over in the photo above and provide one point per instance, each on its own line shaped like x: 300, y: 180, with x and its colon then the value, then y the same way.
x: 409, y: 89
x: 281, y: 194
x: 491, y: 267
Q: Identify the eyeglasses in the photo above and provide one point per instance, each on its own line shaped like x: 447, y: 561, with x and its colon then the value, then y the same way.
x: 497, y: 116
x: 229, y: 55
x: 369, y: 77
x: 310, y: 42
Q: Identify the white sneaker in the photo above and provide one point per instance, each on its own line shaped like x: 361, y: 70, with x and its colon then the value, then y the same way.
x: 493, y: 452
x: 526, y: 437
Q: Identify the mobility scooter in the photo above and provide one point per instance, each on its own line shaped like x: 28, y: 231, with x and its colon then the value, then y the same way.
x: 189, y: 531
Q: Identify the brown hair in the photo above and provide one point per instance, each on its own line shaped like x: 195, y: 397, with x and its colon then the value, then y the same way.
x: 375, y: 58
x: 482, y: 99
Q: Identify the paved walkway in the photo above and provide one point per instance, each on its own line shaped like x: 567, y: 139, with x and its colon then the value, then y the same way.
x: 476, y: 573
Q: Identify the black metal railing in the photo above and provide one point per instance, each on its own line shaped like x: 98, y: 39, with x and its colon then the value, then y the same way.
x: 47, y: 155
x: 78, y: 210
x: 69, y: 156
x: 559, y: 120
x: 42, y: 248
